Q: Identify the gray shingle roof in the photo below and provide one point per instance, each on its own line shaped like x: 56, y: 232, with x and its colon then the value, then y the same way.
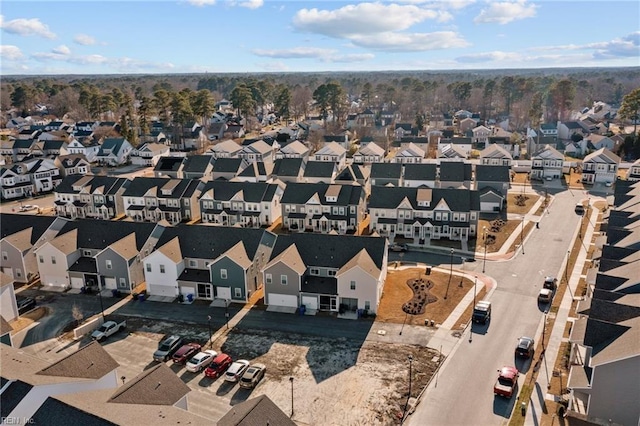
x: 258, y: 411
x: 253, y: 192
x: 287, y: 166
x: 158, y: 385
x: 166, y: 164
x: 99, y: 234
x: 197, y: 163
x: 486, y: 173
x: 300, y: 193
x: 422, y: 171
x: 455, y: 171
x: 12, y: 223
x: 319, y: 169
x: 88, y: 362
x: 386, y: 170
x: 460, y: 200
x: 55, y: 412
x: 227, y: 165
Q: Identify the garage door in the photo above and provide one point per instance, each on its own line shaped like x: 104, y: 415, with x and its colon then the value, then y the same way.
x: 283, y: 300
x: 223, y: 293
x: 162, y: 290
x: 489, y: 207
x: 110, y: 283
x: 310, y: 302
x: 77, y: 282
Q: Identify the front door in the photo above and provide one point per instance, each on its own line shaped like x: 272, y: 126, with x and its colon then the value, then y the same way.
x: 204, y: 291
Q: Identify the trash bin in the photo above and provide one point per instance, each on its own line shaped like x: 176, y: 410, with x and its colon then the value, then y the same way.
x: 190, y: 298
x: 114, y: 292
x: 428, y: 272
x: 141, y: 297
x: 360, y: 312
x: 303, y: 309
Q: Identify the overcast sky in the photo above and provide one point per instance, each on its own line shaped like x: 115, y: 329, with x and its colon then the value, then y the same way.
x: 164, y: 36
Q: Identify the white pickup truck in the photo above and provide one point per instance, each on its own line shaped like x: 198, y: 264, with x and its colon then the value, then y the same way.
x: 107, y: 329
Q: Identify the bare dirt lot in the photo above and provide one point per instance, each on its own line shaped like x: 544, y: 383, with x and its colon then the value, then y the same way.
x: 336, y: 381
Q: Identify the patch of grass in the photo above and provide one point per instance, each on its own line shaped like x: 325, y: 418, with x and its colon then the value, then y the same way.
x: 513, y: 207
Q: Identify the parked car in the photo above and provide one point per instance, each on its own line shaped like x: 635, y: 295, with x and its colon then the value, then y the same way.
x: 236, y: 370
x: 550, y: 283
x: 506, y: 382
x: 201, y: 360
x: 482, y: 312
x: 252, y: 376
x: 185, y: 352
x: 218, y: 366
x: 25, y: 304
x: 526, y: 347
x: 579, y: 209
x: 545, y: 295
x: 107, y: 329
x: 398, y: 247
x: 167, y: 348
x: 28, y: 207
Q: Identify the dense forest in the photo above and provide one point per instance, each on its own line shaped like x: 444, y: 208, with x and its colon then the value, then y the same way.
x: 527, y: 97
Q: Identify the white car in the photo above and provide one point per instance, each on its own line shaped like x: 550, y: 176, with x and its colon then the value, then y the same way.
x: 201, y: 361
x: 28, y: 207
x: 236, y: 370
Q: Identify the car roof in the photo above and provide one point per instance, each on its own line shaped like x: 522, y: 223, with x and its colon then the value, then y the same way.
x: 508, y: 371
x: 483, y: 304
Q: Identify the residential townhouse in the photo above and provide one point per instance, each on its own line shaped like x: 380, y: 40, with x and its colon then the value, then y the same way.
x: 633, y: 174
x: 411, y: 154
x: 355, y: 174
x: 246, y: 204
x: 600, y: 166
x: 114, y: 152
x: 480, y: 135
x: 492, y: 183
x: 8, y: 306
x: 322, y: 207
x: 289, y: 169
x: 15, y: 182
x: 44, y: 174
x: 255, y: 172
x: 332, y: 152
x: 21, y: 235
x: 420, y: 175
x: 547, y: 164
x: 87, y: 147
x: 451, y: 152
x: 341, y: 139
x: 225, y: 149
x: 22, y: 148
x: 369, y: 153
x: 495, y: 155
x: 148, y: 154
x: 87, y: 196
x: 293, y: 149
x: 320, y: 172
x: 72, y: 164
x: 257, y: 151
x: 169, y: 167
x: 228, y: 168
x: 208, y: 262
x: 97, y: 253
x: 197, y: 167
x: 334, y: 273
x: 384, y: 174
x: 568, y: 128
x: 454, y: 174
x: 156, y: 199
x: 423, y: 214
x: 600, y: 141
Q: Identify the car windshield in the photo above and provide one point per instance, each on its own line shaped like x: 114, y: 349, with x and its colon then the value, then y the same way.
x: 246, y: 379
x: 193, y: 360
x: 164, y: 347
x: 505, y: 381
x: 103, y: 328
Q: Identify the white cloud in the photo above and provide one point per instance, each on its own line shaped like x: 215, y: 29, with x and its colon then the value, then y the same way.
x: 26, y: 27
x: 489, y: 57
x: 411, y: 42
x: 441, y: 4
x: 202, y: 2
x: 273, y: 66
x: 353, y: 57
x: 10, y: 52
x: 84, y: 39
x: 363, y: 18
x: 251, y: 4
x: 505, y: 12
x: 61, y: 50
x: 294, y: 53
x: 623, y: 47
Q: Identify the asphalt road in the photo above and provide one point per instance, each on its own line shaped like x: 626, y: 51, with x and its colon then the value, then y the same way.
x: 464, y: 391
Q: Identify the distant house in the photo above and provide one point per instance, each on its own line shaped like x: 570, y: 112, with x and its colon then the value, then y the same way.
x: 332, y: 152
x: 225, y: 149
x: 569, y: 128
x: 114, y: 151
x: 72, y: 164
x: 493, y: 183
x: 369, y: 153
x: 599, y: 142
x: 342, y: 140
x: 168, y: 166
x: 289, y: 169
x: 197, y: 167
x: 454, y: 174
x: 355, y: 174
x: 387, y: 174
x: 148, y: 154
x: 88, y: 196
x: 420, y: 175
x: 88, y: 147
x: 547, y: 163
x: 600, y: 167
x: 411, y: 154
x: 451, y: 152
x: 480, y: 135
x: 495, y: 155
x: 463, y: 144
x: 634, y: 172
x: 257, y: 151
x: 294, y: 149
x: 228, y: 168
x: 320, y: 172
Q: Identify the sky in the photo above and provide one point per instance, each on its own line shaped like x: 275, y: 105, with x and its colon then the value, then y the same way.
x: 215, y: 36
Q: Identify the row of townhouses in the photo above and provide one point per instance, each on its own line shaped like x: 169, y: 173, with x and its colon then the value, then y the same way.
x: 603, y: 383
x: 322, y: 271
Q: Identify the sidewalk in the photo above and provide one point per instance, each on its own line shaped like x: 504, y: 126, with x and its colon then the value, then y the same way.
x: 537, y: 400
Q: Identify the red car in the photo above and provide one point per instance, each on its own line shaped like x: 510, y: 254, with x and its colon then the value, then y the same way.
x: 218, y: 366
x: 185, y: 352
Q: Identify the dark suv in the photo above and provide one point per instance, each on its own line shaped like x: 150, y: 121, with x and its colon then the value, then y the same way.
x: 482, y: 312
x: 167, y: 348
x: 525, y: 347
x: 550, y: 283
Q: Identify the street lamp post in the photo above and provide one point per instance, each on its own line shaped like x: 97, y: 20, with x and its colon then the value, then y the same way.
x: 446, y: 293
x: 408, y: 396
x: 291, y: 380
x: 209, y: 324
x: 566, y: 266
x: 101, y: 305
x: 475, y: 281
x: 522, y: 236
x: 484, y: 237
x: 226, y: 312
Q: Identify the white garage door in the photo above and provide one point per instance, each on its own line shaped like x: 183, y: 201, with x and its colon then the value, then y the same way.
x: 110, y: 283
x: 310, y: 302
x: 77, y: 282
x: 489, y: 207
x: 223, y: 293
x: 162, y: 290
x: 283, y: 300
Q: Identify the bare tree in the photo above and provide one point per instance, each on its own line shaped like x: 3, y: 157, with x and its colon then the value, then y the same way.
x: 77, y: 314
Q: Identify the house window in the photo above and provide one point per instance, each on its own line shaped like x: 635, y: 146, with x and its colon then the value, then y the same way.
x: 86, y: 252
x: 237, y: 292
x: 315, y: 271
x: 5, y: 256
x: 283, y: 279
x: 53, y: 260
x: 367, y: 305
x: 269, y: 278
x: 332, y: 273
x: 193, y: 263
x: 148, y: 267
x: 41, y: 259
x: 123, y: 282
x: 108, y: 264
x: 162, y: 269
x: 18, y: 273
x: 223, y: 274
x: 352, y: 286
